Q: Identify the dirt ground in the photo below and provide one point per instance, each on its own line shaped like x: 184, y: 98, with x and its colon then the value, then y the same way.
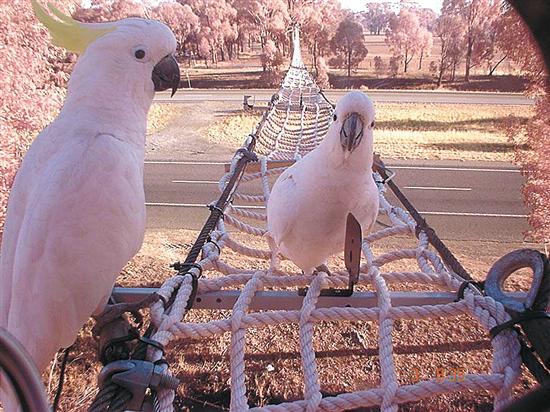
x: 418, y: 131
x: 182, y: 137
x: 346, y: 352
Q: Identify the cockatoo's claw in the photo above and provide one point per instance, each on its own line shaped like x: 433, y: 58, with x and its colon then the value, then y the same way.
x: 322, y: 268
x: 250, y: 155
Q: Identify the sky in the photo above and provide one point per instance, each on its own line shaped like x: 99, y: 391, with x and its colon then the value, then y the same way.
x: 358, y: 5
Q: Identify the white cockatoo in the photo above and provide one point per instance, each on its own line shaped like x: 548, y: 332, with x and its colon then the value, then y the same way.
x: 309, y: 203
x: 76, y: 213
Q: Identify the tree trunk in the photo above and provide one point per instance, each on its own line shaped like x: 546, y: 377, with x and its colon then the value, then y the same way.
x: 420, y: 63
x: 468, y: 59
x: 453, y: 73
x: 492, y: 69
x: 349, y: 64
x: 315, y: 56
x: 406, y: 61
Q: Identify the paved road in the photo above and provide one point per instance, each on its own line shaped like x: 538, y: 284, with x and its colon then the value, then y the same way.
x: 382, y: 96
x: 462, y: 201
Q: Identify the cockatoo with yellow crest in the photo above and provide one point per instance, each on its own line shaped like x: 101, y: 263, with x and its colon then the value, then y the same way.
x: 76, y: 213
x: 309, y: 203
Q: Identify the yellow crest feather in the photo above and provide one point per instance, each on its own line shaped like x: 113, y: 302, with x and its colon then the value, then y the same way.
x: 68, y: 32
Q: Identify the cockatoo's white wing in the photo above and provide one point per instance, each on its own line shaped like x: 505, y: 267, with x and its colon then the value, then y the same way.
x: 281, y: 200
x: 84, y: 219
x: 28, y: 173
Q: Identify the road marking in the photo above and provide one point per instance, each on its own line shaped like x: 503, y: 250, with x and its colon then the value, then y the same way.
x: 207, y: 182
x: 183, y: 162
x: 474, y: 214
x: 454, y: 169
x: 460, y: 189
x: 201, y: 205
x: 451, y: 169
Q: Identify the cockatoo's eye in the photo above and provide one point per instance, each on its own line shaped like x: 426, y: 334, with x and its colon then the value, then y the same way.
x: 372, y: 124
x: 139, y: 53
x: 334, y: 117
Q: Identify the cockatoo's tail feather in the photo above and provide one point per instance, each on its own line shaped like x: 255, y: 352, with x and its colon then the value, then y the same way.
x: 68, y: 32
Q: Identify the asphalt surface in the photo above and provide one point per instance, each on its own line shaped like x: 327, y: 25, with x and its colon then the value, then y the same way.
x: 460, y: 200
x: 261, y: 96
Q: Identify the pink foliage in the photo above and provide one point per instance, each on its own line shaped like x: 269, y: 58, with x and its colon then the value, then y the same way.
x: 180, y: 18
x: 266, y: 19
x: 377, y: 17
x: 217, y: 28
x: 450, y: 31
x: 478, y: 18
x: 407, y: 37
x: 318, y: 23
x: 110, y: 10
x: 533, y: 150
x: 271, y: 59
x: 349, y: 43
x: 32, y: 71
x: 321, y: 78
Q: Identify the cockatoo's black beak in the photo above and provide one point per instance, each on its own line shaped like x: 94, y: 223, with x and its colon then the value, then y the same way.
x: 351, y: 132
x: 166, y: 74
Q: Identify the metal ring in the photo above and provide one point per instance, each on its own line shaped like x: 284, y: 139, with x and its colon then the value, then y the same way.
x: 16, y: 363
x: 508, y: 264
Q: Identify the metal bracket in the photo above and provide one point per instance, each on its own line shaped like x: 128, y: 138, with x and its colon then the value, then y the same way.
x: 136, y: 376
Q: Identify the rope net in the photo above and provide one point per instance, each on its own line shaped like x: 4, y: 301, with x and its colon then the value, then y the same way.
x: 296, y: 122
x: 426, y: 267
x: 299, y: 115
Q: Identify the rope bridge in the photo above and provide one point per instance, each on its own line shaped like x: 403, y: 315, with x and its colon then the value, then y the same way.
x: 299, y: 115
x: 271, y: 294
x: 269, y: 287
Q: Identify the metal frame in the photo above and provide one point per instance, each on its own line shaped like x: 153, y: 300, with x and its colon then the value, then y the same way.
x: 292, y: 300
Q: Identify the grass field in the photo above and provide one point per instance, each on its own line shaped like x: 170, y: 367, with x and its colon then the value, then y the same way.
x: 419, y: 131
x: 244, y: 72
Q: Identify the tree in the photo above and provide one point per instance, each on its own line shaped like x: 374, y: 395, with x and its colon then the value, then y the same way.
x: 321, y: 77
x: 427, y: 18
x: 271, y: 59
x: 478, y: 16
x: 426, y: 43
x: 318, y: 21
x: 184, y: 23
x: 394, y: 65
x: 268, y: 19
x: 350, y: 44
x: 109, y: 10
x: 379, y: 65
x: 377, y: 17
x: 450, y: 31
x: 218, y: 27
x: 405, y: 35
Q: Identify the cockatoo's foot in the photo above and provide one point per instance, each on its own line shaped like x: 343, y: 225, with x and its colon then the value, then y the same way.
x: 115, y: 311
x: 275, y: 260
x: 322, y: 268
